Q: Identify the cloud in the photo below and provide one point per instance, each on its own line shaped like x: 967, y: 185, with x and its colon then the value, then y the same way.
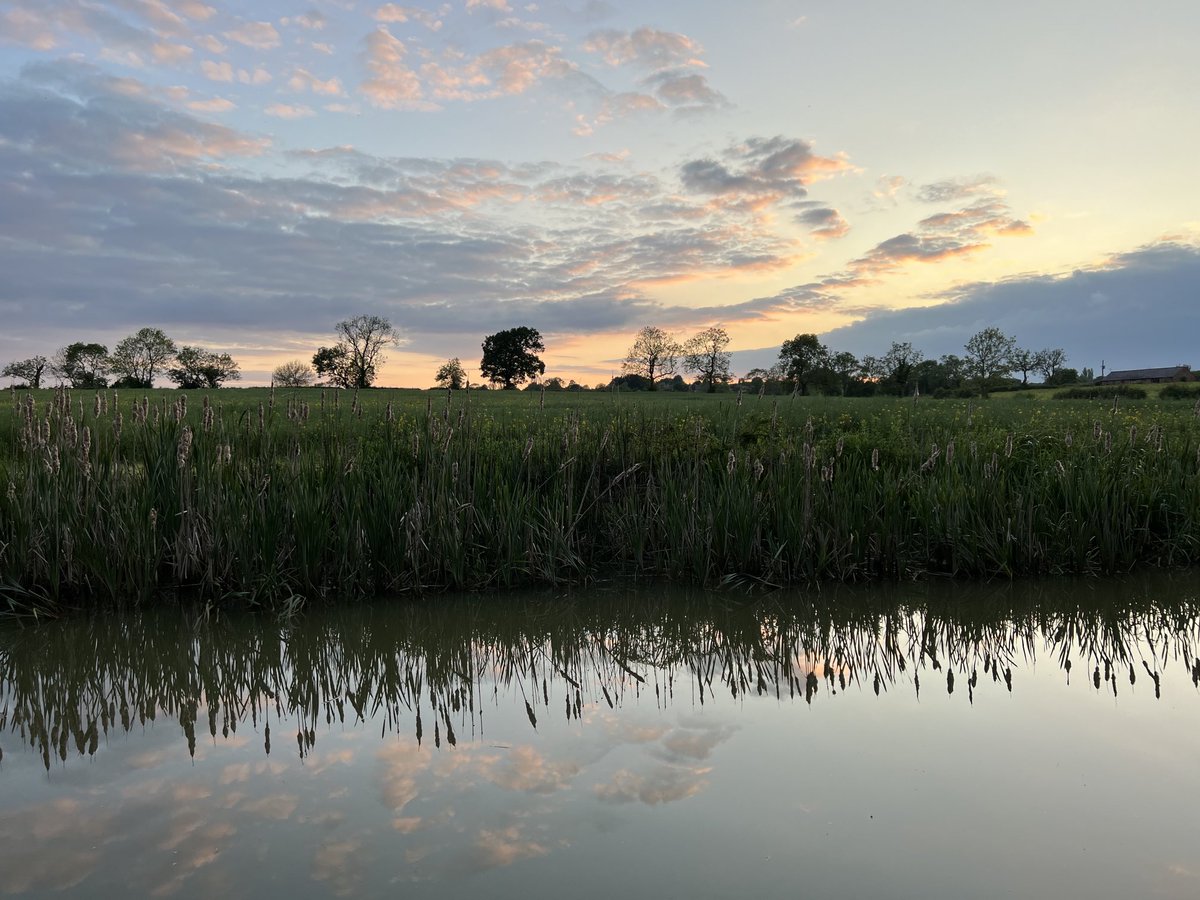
x: 213, y: 105
x: 140, y: 36
x: 944, y: 235
x: 1136, y: 309
x: 495, y: 5
x: 289, y: 111
x: 824, y: 222
x: 394, y: 12
x: 70, y: 112
x: 128, y: 212
x: 256, y: 76
x: 303, y: 80
x: 211, y: 44
x: 955, y: 189
x: 685, y: 91
x: 664, y: 784
x: 503, y: 847
x: 313, y: 20
x: 257, y: 35
x: 645, y: 48
x: 515, y: 68
x: 761, y: 171
x: 392, y: 83
x: 168, y: 53
x: 616, y: 106
x: 216, y: 71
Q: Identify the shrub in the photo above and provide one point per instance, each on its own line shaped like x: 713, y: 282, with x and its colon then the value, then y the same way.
x: 1180, y: 392
x: 1102, y: 392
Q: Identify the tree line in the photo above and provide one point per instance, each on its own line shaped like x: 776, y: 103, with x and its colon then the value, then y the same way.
x: 133, y: 363
x: 989, y: 359
x: 511, y: 358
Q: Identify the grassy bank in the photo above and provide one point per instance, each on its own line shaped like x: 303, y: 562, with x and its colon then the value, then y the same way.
x: 245, y: 495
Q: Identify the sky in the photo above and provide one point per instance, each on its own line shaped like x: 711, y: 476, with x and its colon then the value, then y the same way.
x: 246, y: 175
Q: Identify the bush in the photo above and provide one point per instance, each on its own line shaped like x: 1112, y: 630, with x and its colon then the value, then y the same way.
x: 1102, y: 392
x: 1180, y: 392
x: 958, y: 393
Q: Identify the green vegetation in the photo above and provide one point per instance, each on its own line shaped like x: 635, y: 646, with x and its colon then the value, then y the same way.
x: 267, y: 497
x: 1102, y: 392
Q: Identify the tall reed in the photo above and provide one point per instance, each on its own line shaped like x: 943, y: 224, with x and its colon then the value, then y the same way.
x: 136, y: 496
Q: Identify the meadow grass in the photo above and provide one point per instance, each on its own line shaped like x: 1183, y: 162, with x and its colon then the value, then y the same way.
x: 279, y: 497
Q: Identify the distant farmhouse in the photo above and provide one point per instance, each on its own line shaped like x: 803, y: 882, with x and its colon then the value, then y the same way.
x: 1148, y: 376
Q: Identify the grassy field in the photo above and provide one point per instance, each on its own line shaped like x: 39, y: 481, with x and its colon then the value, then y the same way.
x: 247, y: 496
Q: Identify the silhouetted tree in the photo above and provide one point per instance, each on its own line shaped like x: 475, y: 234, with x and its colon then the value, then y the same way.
x: 802, y: 357
x: 354, y: 360
x: 654, y: 356
x: 82, y: 365
x: 452, y: 375
x: 510, y: 356
x: 705, y: 354
x: 293, y: 374
x: 30, y: 369
x: 988, y: 355
x: 196, y: 367
x: 138, y: 357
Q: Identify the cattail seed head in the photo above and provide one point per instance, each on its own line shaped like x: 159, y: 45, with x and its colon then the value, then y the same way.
x: 875, y: 459
x: 730, y: 463
x: 185, y: 446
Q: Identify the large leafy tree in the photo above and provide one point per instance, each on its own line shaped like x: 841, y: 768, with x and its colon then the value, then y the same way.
x: 1049, y: 361
x: 333, y: 364
x: 82, y: 365
x: 452, y: 375
x: 988, y: 356
x: 1023, y: 361
x: 802, y: 358
x: 28, y: 369
x: 653, y: 356
x: 842, y: 366
x: 196, y: 367
x: 138, y: 357
x: 705, y: 354
x: 900, y: 362
x: 510, y: 356
x: 354, y: 360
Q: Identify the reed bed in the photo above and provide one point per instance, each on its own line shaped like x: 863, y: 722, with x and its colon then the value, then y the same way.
x: 267, y: 499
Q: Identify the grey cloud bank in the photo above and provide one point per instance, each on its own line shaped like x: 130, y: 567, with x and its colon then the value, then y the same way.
x: 1142, y: 309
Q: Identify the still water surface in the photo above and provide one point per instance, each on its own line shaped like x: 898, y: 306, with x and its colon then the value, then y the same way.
x: 1031, y: 740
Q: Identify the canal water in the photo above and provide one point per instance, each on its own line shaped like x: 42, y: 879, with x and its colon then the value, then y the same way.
x: 934, y: 740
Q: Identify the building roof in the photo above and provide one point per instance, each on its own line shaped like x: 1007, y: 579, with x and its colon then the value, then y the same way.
x: 1144, y: 374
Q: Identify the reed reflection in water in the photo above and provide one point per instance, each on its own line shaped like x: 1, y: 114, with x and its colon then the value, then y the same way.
x: 357, y: 748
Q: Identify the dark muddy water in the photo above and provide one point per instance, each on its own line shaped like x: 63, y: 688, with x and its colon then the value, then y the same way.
x: 1030, y: 740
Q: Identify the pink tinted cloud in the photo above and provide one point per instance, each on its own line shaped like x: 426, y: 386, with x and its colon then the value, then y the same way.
x: 646, y: 48
x: 257, y: 35
x: 392, y: 83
